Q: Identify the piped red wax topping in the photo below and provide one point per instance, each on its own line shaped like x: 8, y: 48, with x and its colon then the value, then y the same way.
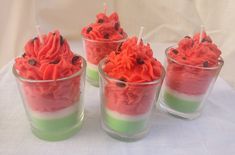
x: 105, y: 28
x: 49, y: 61
x: 133, y: 63
x: 192, y: 52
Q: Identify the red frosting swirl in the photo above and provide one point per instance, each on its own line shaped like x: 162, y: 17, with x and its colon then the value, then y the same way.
x: 188, y: 72
x: 49, y: 61
x: 105, y: 28
x: 133, y: 63
x: 192, y: 52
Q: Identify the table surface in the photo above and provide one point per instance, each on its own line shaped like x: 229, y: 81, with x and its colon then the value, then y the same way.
x: 211, y: 134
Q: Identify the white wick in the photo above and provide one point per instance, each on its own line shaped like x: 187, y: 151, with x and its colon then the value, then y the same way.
x: 105, y: 8
x: 140, y: 35
x: 39, y: 34
x: 201, y: 32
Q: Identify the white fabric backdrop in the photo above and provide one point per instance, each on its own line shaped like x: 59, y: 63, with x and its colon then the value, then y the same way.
x: 164, y: 21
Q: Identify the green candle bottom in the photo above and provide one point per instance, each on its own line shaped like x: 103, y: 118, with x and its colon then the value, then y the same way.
x: 180, y: 104
x: 92, y: 76
x: 57, y: 128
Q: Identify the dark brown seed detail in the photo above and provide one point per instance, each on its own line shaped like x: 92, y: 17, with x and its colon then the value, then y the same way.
x: 100, y: 21
x: 53, y: 33
x: 55, y: 62
x: 116, y: 26
x: 205, y: 64
x: 23, y: 55
x: 192, y: 43
x: 206, y: 40
x: 119, y: 47
x: 117, y: 52
x: 184, y: 58
x: 89, y: 29
x: 175, y: 51
x: 140, y: 61
x: 32, y: 62
x: 106, y: 36
x: 75, y: 59
x: 120, y: 84
x: 121, y: 32
x: 188, y: 37
x: 61, y: 40
x: 35, y: 38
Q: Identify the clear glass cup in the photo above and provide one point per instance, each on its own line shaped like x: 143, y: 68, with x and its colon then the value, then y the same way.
x: 185, y: 87
x: 126, y: 106
x: 54, y: 107
x: 95, y: 52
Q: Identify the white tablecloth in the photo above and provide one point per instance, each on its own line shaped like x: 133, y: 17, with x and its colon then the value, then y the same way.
x: 211, y: 134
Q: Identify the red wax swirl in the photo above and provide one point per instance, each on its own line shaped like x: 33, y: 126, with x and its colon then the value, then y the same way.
x: 49, y: 61
x: 134, y: 64
x: 102, y: 37
x: 105, y: 28
x: 188, y: 72
x: 192, y: 52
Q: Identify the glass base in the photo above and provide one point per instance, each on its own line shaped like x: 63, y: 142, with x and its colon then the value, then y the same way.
x: 92, y: 76
x: 123, y: 136
x: 168, y: 109
x: 57, y: 136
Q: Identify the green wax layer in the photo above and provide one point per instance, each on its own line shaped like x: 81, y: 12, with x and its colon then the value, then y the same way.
x: 92, y: 76
x: 180, y: 104
x: 56, y: 129
x: 124, y: 126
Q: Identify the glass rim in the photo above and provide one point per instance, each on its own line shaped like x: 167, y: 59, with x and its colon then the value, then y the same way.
x: 83, y: 68
x: 105, y: 41
x: 106, y: 76
x: 220, y: 61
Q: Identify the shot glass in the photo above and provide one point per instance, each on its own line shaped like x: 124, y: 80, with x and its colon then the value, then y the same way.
x: 126, y: 106
x: 95, y: 52
x: 54, y: 107
x: 186, y: 87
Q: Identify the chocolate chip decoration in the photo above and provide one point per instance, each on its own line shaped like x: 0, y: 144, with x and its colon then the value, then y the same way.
x: 120, y: 84
x: 116, y: 26
x: 106, y: 36
x: 117, y: 52
x: 61, y: 40
x: 75, y: 59
x: 119, y: 47
x: 100, y: 21
x: 188, y: 37
x: 175, y: 51
x: 32, y: 62
x: 206, y: 40
x: 88, y: 30
x: 35, y: 38
x: 140, y: 61
x: 205, y: 64
x: 23, y: 55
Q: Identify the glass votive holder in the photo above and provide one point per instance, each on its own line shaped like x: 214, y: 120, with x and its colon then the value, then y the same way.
x: 185, y: 87
x: 54, y: 107
x: 126, y: 106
